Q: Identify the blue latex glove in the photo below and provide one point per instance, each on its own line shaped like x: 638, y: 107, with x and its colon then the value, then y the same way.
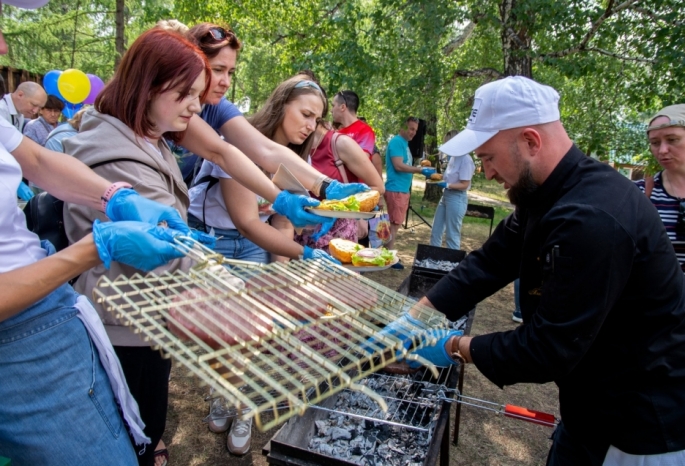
x: 427, y: 172
x: 292, y: 206
x: 404, y: 328
x: 204, y: 238
x: 442, y: 184
x: 310, y: 253
x: 338, y: 190
x: 24, y: 192
x: 126, y: 204
x: 325, y: 228
x: 137, y: 244
x: 437, y: 354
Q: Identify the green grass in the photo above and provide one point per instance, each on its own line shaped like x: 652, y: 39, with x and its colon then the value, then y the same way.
x: 491, y: 188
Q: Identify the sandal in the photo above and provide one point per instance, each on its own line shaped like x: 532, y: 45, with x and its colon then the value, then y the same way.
x: 164, y: 453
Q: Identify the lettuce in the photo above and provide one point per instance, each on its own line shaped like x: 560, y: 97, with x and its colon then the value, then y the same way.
x: 349, y: 204
x: 385, y: 257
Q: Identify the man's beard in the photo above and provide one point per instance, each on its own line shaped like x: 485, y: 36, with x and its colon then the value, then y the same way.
x: 525, y: 186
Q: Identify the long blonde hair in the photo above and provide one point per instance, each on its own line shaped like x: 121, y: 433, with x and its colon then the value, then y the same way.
x: 270, y: 116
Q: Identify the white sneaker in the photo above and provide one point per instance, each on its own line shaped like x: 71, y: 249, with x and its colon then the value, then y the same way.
x: 238, y: 440
x: 217, y: 421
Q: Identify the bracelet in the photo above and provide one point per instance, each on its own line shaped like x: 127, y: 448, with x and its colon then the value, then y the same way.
x: 316, y: 187
x: 324, y: 186
x: 457, y: 355
x: 110, y: 192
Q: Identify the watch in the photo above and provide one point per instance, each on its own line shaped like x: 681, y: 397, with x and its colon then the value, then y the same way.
x: 110, y: 192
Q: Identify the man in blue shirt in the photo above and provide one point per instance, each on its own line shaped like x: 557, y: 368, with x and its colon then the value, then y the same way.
x: 399, y: 173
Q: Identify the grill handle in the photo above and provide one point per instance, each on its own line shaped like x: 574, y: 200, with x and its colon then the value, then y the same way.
x: 525, y: 414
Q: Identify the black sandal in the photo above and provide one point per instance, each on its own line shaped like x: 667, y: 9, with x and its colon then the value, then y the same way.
x: 163, y: 453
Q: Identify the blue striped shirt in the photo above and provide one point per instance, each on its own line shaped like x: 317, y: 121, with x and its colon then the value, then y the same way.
x: 669, y: 210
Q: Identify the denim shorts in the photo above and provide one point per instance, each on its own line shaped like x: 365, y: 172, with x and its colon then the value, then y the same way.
x: 232, y: 244
x: 57, y: 406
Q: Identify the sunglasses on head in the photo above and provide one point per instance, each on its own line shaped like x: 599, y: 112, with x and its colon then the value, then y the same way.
x: 218, y: 34
x: 342, y: 96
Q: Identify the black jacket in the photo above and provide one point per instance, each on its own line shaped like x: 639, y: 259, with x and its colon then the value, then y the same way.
x: 602, y: 303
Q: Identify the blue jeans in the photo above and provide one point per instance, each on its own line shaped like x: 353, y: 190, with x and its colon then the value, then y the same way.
x: 517, y: 295
x: 449, y: 215
x: 57, y: 406
x: 232, y: 244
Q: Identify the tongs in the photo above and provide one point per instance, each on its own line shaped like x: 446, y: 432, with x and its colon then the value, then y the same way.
x: 512, y: 411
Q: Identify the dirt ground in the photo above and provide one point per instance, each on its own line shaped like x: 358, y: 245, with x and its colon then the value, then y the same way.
x: 486, y: 438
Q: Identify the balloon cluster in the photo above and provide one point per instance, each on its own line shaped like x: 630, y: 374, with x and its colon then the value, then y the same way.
x: 75, y: 88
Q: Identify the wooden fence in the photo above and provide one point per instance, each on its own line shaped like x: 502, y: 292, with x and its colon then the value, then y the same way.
x: 13, y: 77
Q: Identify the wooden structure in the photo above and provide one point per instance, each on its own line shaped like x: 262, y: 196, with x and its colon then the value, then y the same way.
x: 13, y: 77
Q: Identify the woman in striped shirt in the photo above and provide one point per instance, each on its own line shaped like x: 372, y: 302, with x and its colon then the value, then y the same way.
x: 666, y: 133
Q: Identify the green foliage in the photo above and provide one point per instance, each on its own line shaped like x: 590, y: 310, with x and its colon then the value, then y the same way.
x: 613, y: 68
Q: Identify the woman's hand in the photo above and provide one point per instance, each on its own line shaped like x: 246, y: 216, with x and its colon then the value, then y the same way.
x: 338, y: 190
x: 293, y: 206
x: 137, y: 244
x: 310, y: 253
x: 126, y: 204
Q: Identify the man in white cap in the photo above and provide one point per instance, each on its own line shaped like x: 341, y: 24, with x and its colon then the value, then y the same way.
x: 602, y: 294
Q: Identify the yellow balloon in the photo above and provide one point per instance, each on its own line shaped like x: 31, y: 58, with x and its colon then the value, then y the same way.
x: 74, y: 86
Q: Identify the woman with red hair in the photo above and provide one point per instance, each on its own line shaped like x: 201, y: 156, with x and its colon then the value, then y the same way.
x: 155, y: 92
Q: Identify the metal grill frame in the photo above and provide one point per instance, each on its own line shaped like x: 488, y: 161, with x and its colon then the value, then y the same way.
x: 253, y: 373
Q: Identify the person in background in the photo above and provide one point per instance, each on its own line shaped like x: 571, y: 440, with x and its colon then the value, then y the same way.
x: 65, y: 130
x: 452, y: 206
x: 39, y: 128
x: 602, y: 294
x: 344, y: 113
x: 355, y: 166
x: 60, y: 404
x: 666, y: 189
x: 399, y: 174
x: 25, y: 102
x: 243, y: 220
x: 221, y: 46
x: 156, y: 90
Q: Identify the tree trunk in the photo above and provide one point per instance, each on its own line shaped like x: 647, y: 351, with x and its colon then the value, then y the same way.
x: 120, y: 38
x: 433, y: 193
x: 515, y: 41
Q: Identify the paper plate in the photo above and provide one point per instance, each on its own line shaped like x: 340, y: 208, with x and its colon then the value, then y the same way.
x: 343, y: 214
x: 371, y: 269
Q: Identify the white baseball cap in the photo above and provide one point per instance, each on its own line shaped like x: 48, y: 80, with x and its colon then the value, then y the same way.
x: 508, y: 103
x: 28, y: 4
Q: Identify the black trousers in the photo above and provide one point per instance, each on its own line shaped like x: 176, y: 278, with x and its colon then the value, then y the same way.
x: 147, y: 375
x: 570, y: 451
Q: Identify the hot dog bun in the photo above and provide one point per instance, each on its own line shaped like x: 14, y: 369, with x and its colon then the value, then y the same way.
x: 342, y: 249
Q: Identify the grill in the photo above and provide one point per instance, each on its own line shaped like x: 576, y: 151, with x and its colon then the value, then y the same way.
x: 423, y: 278
x: 350, y: 429
x: 271, y: 339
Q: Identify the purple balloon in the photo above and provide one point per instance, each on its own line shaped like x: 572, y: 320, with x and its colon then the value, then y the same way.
x: 96, y: 85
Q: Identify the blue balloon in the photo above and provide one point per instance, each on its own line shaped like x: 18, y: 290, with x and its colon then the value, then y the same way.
x: 70, y: 109
x: 50, y: 83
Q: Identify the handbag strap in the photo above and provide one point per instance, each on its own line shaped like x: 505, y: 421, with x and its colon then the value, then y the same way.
x: 649, y: 185
x: 338, y: 163
x: 211, y: 181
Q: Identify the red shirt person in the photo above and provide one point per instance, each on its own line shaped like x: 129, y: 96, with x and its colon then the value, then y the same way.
x: 344, y: 113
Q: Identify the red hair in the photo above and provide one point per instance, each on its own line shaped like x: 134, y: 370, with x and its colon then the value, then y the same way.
x: 158, y: 61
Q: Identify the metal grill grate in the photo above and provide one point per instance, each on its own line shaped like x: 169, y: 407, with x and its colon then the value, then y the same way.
x: 269, y: 338
x: 413, y: 401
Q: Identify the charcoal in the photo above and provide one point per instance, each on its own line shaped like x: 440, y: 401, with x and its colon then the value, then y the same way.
x: 338, y: 433
x: 322, y: 428
x: 434, y: 264
x: 357, y: 432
